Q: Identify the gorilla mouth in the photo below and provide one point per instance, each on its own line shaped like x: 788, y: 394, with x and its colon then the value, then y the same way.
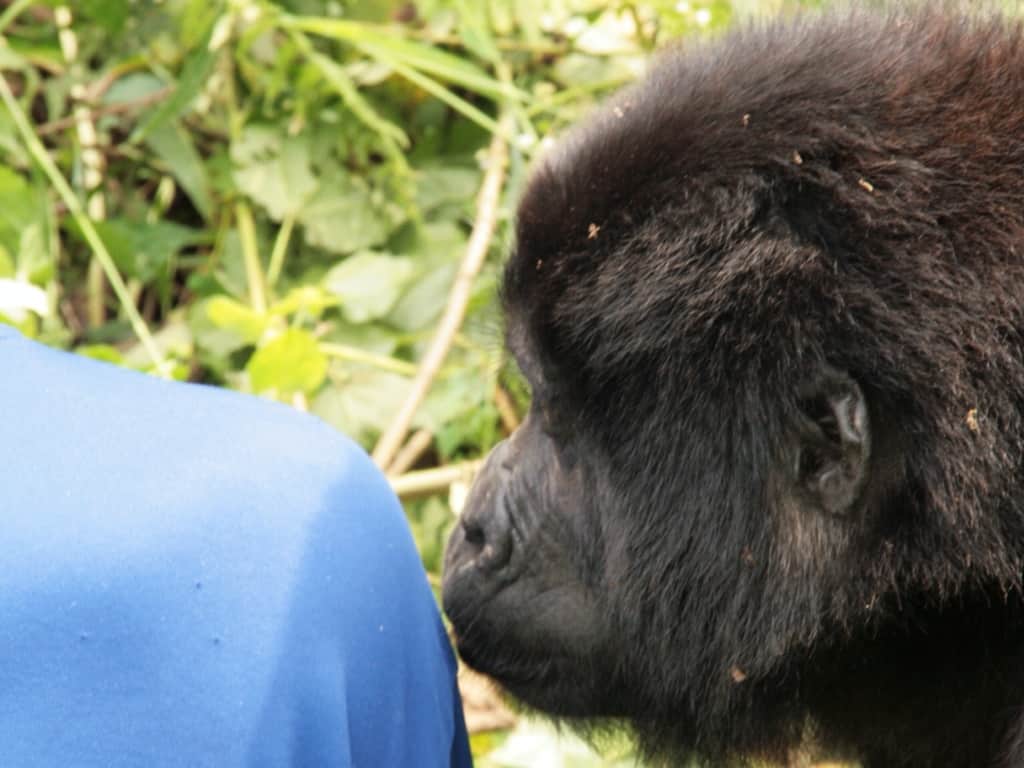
x: 558, y: 685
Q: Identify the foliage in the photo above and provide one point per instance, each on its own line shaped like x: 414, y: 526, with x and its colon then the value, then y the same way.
x: 275, y: 196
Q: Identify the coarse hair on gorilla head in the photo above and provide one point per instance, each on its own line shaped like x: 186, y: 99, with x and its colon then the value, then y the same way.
x: 770, y: 490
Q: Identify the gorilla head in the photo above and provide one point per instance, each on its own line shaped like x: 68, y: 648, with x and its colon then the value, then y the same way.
x: 770, y: 303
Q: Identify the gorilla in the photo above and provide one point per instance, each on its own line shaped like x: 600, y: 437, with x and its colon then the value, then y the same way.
x: 770, y: 489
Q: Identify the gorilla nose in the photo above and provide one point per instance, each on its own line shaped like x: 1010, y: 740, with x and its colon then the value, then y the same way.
x: 486, y: 527
x: 488, y: 538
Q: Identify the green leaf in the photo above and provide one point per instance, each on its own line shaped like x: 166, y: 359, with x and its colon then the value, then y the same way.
x: 24, y: 226
x: 475, y: 30
x: 341, y: 216
x: 174, y: 146
x: 368, y: 284
x: 219, y: 341
x: 309, y: 300
x: 394, y: 138
x: 445, y: 185
x: 384, y: 43
x: 230, y: 315
x: 364, y: 404
x: 108, y: 14
x: 143, y: 249
x: 193, y: 77
x: 292, y: 362
x: 273, y: 170
x: 102, y: 352
x: 436, y: 253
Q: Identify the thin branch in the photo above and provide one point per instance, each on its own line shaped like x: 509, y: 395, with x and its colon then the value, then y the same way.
x: 506, y: 409
x: 427, y: 481
x: 411, y: 451
x: 476, y: 250
x: 58, y: 125
x: 357, y: 355
x: 93, y: 161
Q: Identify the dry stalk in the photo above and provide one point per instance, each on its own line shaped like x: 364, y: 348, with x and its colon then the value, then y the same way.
x: 427, y: 481
x: 476, y: 250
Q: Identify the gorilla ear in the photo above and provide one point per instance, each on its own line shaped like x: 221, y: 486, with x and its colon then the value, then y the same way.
x: 834, y: 442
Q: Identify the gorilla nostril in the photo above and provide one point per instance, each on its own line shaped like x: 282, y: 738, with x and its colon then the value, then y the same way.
x: 474, y: 534
x: 489, y: 538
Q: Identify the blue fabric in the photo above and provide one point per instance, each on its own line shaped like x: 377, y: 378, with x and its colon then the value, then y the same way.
x: 191, y: 577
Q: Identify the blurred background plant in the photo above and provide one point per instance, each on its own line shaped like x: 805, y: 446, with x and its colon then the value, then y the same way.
x: 310, y: 201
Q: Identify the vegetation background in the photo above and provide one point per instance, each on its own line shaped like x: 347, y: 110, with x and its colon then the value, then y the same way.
x: 309, y: 200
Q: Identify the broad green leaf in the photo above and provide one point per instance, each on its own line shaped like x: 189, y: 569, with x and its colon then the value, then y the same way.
x: 364, y: 404
x: 234, y: 316
x: 273, y: 170
x: 341, y: 217
x: 140, y: 248
x: 132, y: 87
x: 193, y: 77
x: 436, y: 253
x: 370, y: 337
x: 24, y: 226
x: 309, y: 300
x: 446, y: 184
x: 368, y: 284
x: 109, y: 14
x: 175, y: 147
x: 102, y: 352
x: 394, y: 138
x: 292, y: 362
x: 217, y: 342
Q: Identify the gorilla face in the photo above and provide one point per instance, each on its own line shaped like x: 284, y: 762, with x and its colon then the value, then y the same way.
x: 523, y: 591
x: 566, y: 566
x: 764, y: 306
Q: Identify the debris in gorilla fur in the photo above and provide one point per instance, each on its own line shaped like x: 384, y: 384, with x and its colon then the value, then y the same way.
x: 619, y: 113
x: 866, y: 185
x: 737, y: 675
x: 745, y: 119
x: 540, y: 263
x: 797, y: 158
x: 592, y: 231
x: 972, y: 419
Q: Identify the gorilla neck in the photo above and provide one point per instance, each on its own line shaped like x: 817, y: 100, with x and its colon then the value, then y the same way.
x: 961, y: 665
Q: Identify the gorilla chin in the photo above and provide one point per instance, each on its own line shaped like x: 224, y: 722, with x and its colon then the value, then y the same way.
x: 770, y: 306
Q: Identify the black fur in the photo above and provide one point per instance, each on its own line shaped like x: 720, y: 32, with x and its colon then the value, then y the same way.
x: 842, y: 196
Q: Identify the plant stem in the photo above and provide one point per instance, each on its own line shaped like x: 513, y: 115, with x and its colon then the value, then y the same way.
x: 251, y: 257
x: 12, y: 12
x: 280, y: 249
x: 92, y: 237
x: 426, y: 481
x: 356, y: 355
x: 476, y: 250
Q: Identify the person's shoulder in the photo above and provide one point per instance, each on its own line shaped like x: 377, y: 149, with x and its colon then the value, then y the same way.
x: 255, y: 451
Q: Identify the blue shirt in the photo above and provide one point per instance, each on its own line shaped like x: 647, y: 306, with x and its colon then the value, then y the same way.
x: 192, y: 577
